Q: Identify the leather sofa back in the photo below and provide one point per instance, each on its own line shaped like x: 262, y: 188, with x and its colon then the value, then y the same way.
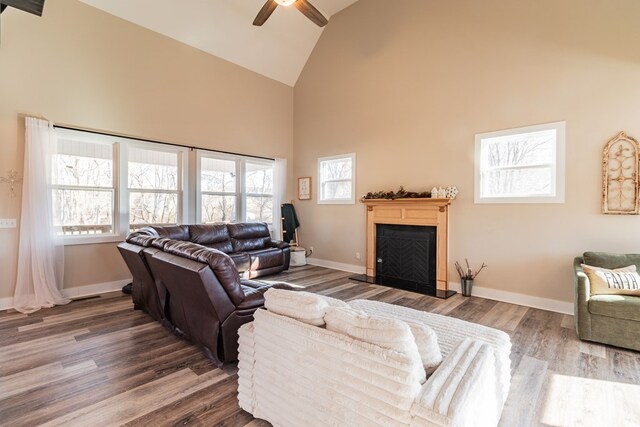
x: 249, y: 236
x: 174, y: 232
x: 198, y: 301
x: 220, y: 263
x: 214, y: 236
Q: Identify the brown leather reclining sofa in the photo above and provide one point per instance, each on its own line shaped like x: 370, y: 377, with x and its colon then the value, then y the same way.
x: 183, y: 278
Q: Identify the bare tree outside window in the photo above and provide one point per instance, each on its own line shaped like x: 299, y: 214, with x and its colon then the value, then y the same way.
x: 336, y: 178
x: 153, y: 187
x: 259, y: 190
x: 218, y: 188
x: 83, y: 192
x: 520, y: 164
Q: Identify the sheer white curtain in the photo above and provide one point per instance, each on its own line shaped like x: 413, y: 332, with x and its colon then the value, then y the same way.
x: 279, y: 194
x: 40, y: 254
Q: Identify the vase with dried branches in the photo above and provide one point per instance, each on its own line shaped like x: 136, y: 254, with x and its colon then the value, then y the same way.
x: 467, y: 275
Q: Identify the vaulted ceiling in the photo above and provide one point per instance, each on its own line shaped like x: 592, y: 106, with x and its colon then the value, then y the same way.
x: 279, y: 49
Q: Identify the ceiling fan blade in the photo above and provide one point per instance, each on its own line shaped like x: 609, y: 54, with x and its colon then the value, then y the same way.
x: 265, y: 12
x: 311, y: 12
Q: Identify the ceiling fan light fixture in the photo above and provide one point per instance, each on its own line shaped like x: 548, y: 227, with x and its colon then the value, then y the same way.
x: 285, y: 2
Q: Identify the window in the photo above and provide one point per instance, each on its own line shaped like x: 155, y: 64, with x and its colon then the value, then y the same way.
x: 83, y: 185
x: 106, y: 186
x: 524, y: 165
x: 154, y: 179
x: 218, y: 190
x: 234, y: 188
x: 336, y: 179
x: 259, y: 192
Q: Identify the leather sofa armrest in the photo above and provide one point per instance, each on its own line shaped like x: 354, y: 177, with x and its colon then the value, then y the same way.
x: 253, y: 298
x: 582, y: 317
x: 463, y: 391
x: 279, y: 244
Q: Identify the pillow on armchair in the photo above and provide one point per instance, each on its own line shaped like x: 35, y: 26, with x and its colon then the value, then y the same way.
x: 619, y: 281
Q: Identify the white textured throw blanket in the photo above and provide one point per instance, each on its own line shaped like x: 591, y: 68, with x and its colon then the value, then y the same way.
x: 295, y: 374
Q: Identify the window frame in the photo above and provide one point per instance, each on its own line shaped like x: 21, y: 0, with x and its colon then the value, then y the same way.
x: 121, y: 189
x: 320, y: 181
x: 244, y: 194
x: 199, y: 193
x: 115, y: 235
x: 183, y: 179
x: 557, y: 166
x: 240, y: 194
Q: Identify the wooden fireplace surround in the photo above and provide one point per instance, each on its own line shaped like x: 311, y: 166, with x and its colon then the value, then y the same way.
x: 425, y: 212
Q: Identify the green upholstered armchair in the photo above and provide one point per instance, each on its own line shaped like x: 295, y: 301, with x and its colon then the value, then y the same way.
x: 609, y: 319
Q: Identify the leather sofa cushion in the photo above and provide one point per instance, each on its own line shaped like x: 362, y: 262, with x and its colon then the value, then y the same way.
x: 242, y: 261
x: 214, y: 236
x: 221, y: 264
x: 611, y: 261
x: 249, y: 236
x: 253, y: 297
x: 266, y: 258
x: 174, y: 232
x: 140, y: 239
x: 617, y: 306
x: 159, y: 242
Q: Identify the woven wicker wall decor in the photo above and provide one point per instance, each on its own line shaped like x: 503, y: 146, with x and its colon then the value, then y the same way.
x: 620, y: 163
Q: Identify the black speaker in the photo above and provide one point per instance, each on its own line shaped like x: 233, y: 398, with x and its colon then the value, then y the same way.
x: 31, y: 6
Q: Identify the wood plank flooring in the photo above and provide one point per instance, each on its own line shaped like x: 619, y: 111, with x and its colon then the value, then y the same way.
x: 97, y: 362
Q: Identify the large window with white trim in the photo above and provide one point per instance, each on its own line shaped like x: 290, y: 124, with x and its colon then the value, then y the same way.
x: 234, y: 188
x: 259, y: 191
x: 523, y: 165
x: 337, y: 179
x: 84, y: 186
x: 106, y: 186
x: 219, y: 190
x: 154, y: 178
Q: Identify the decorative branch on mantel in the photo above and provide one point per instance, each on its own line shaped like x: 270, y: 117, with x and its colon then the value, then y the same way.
x: 12, y: 180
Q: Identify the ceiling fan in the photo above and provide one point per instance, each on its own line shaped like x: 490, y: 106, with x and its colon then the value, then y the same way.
x: 303, y: 6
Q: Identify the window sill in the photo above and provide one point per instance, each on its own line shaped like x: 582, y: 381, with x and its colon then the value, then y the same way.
x: 91, y: 239
x: 519, y: 200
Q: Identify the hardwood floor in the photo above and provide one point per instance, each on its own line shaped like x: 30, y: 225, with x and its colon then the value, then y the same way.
x: 98, y: 362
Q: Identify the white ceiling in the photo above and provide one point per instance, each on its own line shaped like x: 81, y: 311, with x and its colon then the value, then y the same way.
x: 279, y: 49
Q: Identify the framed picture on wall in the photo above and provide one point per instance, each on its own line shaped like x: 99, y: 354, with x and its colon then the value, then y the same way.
x: 304, y: 188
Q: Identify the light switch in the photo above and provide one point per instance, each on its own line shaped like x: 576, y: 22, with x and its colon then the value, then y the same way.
x: 7, y: 223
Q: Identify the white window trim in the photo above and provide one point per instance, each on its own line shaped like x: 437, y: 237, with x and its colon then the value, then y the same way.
x: 319, y: 181
x: 121, y: 184
x: 116, y: 235
x: 200, y: 154
x: 183, y: 179
x: 557, y: 168
x: 240, y: 193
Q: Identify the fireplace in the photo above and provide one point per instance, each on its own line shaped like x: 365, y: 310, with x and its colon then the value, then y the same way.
x: 407, y: 243
x: 406, y: 257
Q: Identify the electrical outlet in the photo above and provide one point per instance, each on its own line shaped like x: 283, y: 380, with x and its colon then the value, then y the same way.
x: 7, y: 223
x: 357, y: 255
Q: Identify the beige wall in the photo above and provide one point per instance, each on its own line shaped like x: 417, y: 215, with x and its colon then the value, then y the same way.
x: 406, y: 85
x: 83, y: 67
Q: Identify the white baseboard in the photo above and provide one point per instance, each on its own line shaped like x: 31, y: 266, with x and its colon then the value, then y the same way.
x: 95, y: 289
x: 6, y: 303
x: 351, y: 268
x: 548, y: 304
x: 557, y: 306
x: 79, y: 292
